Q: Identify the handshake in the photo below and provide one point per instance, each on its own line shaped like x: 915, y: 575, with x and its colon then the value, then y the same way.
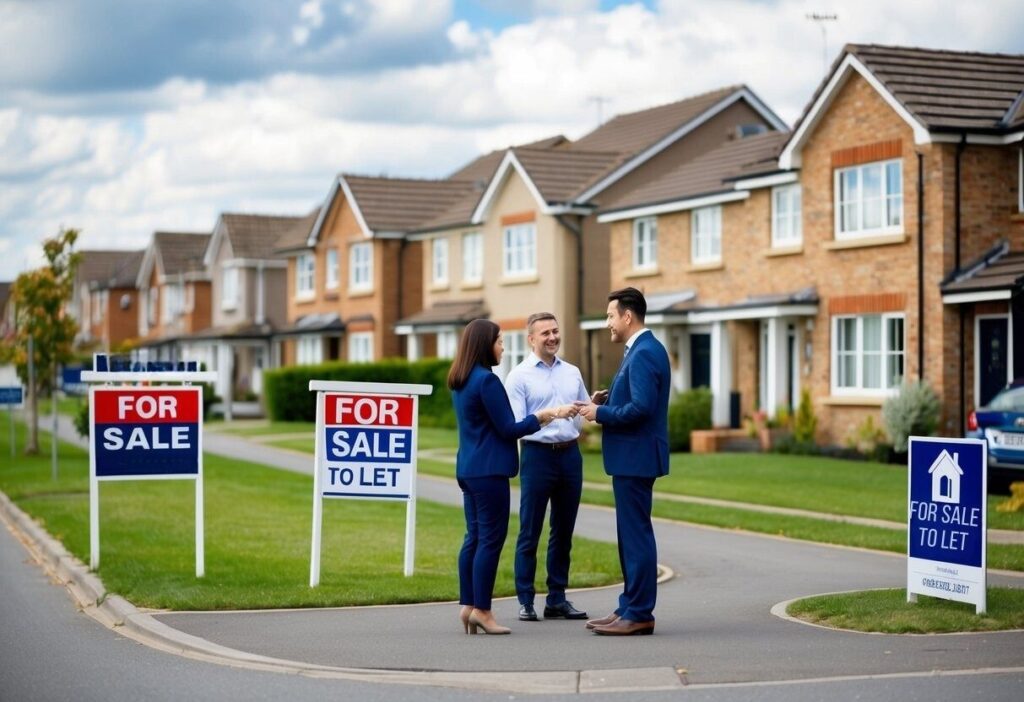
x: 588, y: 410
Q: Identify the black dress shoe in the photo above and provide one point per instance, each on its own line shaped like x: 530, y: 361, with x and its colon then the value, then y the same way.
x: 527, y: 613
x: 563, y: 610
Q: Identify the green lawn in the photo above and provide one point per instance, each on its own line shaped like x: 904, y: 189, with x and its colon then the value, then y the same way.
x: 258, y: 523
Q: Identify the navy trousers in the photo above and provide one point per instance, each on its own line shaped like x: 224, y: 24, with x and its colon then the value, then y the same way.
x: 486, y: 504
x: 638, y: 552
x: 554, y: 476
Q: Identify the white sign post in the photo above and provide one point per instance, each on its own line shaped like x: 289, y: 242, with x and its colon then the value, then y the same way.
x: 947, y: 485
x: 365, y: 448
x: 145, y: 433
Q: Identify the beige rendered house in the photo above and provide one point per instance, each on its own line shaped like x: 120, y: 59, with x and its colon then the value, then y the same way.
x: 530, y: 240
x: 884, y: 243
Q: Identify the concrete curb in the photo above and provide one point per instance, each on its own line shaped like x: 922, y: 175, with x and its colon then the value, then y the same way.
x: 120, y: 615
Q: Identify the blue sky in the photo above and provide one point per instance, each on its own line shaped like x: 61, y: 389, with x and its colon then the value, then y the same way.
x: 122, y: 117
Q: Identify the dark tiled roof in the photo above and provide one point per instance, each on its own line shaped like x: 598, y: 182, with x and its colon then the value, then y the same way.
x: 109, y: 269
x: 180, y: 252
x: 561, y: 174
x: 997, y: 269
x: 635, y: 131
x: 709, y: 173
x: 296, y: 235
x: 256, y: 236
x: 235, y: 331
x: 448, y: 312
x: 400, y: 204
x: 313, y: 323
x: 482, y: 168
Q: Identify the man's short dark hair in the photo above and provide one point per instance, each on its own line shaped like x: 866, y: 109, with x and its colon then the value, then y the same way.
x: 630, y: 299
x: 538, y: 317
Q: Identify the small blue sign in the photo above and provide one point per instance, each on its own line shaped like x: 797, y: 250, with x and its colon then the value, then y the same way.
x: 71, y: 381
x: 11, y: 395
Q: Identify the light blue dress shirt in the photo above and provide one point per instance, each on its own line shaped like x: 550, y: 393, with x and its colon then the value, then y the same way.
x: 533, y: 385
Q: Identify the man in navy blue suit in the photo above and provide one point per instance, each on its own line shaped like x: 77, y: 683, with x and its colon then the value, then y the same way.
x: 634, y: 420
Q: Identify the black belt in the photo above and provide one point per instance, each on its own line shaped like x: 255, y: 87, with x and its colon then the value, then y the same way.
x: 560, y: 446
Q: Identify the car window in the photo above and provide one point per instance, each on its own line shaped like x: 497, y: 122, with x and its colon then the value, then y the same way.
x: 1009, y: 400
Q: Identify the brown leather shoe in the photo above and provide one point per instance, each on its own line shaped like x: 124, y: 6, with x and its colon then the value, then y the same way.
x: 603, y: 621
x: 625, y: 627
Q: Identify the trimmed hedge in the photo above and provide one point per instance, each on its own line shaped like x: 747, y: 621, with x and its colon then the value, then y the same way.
x: 287, y: 396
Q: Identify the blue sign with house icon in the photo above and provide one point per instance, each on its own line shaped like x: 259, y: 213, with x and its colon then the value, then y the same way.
x: 946, y: 518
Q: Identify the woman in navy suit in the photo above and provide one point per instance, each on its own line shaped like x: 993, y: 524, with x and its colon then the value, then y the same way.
x: 487, y: 458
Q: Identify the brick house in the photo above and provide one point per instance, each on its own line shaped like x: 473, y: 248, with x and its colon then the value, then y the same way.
x: 174, y: 293
x: 530, y: 240
x: 864, y: 255
x: 105, y: 300
x: 353, y: 272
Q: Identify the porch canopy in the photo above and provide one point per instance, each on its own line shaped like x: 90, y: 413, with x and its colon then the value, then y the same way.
x: 442, y: 316
x: 998, y: 274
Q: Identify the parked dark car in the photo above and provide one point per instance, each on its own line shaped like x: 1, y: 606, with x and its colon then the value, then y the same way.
x: 1001, y: 424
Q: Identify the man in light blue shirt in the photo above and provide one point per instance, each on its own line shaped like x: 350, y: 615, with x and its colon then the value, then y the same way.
x: 551, y: 467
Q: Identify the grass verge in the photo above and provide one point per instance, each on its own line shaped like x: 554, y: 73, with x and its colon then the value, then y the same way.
x: 258, y: 523
x: 888, y: 612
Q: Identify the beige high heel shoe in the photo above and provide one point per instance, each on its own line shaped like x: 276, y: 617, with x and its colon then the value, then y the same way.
x: 489, y: 627
x: 464, y: 617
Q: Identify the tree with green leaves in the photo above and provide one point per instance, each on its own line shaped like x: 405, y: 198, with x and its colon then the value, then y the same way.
x: 40, y: 297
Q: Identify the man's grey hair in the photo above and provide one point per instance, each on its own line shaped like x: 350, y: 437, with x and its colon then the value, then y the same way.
x: 538, y: 317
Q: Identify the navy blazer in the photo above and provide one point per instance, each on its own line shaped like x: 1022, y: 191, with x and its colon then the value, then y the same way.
x: 487, y: 428
x: 634, y: 420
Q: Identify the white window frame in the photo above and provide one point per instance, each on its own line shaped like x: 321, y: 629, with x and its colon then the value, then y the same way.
x: 309, y: 350
x: 360, y: 259
x: 305, y: 276
x: 1020, y: 180
x: 360, y: 347
x: 439, y: 261
x: 447, y: 343
x: 229, y: 288
x: 516, y: 351
x: 332, y: 277
x: 886, y: 210
x: 706, y: 235
x: 887, y: 349
x: 99, y: 305
x: 787, y: 227
x: 152, y: 299
x: 519, y: 250
x: 472, y: 257
x: 645, y: 243
x: 170, y: 302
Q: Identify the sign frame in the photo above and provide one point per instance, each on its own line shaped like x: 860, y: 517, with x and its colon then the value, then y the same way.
x: 955, y: 580
x: 399, y: 391
x: 7, y: 398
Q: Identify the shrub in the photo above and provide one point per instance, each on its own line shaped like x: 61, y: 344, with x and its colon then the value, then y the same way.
x: 870, y: 440
x: 82, y: 419
x: 287, y: 396
x: 914, y: 411
x: 805, y: 423
x: 690, y: 410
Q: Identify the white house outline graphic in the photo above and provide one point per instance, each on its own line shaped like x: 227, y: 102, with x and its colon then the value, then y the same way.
x: 946, y: 472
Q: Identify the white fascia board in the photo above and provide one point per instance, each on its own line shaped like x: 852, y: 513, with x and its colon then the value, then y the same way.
x: 675, y: 206
x: 146, y: 267
x: 984, y: 296
x: 664, y: 143
x: 403, y: 329
x: 386, y: 235
x: 592, y: 324
x: 766, y: 312
x: 508, y: 163
x: 407, y: 329
x: 214, y: 243
x: 255, y: 263
x: 790, y: 156
x: 982, y: 139
x: 768, y: 181
x: 314, y: 234
x: 566, y: 209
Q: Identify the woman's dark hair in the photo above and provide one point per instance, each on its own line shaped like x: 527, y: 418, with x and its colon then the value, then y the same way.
x: 476, y: 348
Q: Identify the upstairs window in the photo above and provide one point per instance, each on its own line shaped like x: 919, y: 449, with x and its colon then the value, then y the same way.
x: 305, y: 275
x: 706, y: 235
x: 472, y: 258
x: 645, y: 243
x: 439, y: 262
x: 229, y: 289
x: 520, y: 249
x: 332, y: 277
x: 515, y: 353
x: 786, y: 227
x: 869, y: 199
x: 361, y: 267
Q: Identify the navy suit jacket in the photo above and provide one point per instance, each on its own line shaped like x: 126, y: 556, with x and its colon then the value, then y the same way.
x: 634, y: 420
x: 487, y: 428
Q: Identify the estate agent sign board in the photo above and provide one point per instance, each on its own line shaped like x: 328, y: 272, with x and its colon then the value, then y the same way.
x: 947, y: 486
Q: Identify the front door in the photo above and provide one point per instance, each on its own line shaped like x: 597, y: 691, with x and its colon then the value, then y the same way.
x: 992, y: 357
x: 700, y: 360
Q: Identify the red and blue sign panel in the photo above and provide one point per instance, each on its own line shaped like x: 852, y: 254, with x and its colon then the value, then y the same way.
x: 367, y: 446
x: 146, y: 432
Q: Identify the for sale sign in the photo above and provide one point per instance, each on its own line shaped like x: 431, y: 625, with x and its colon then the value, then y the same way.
x: 146, y: 432
x: 368, y: 446
x: 947, y: 485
